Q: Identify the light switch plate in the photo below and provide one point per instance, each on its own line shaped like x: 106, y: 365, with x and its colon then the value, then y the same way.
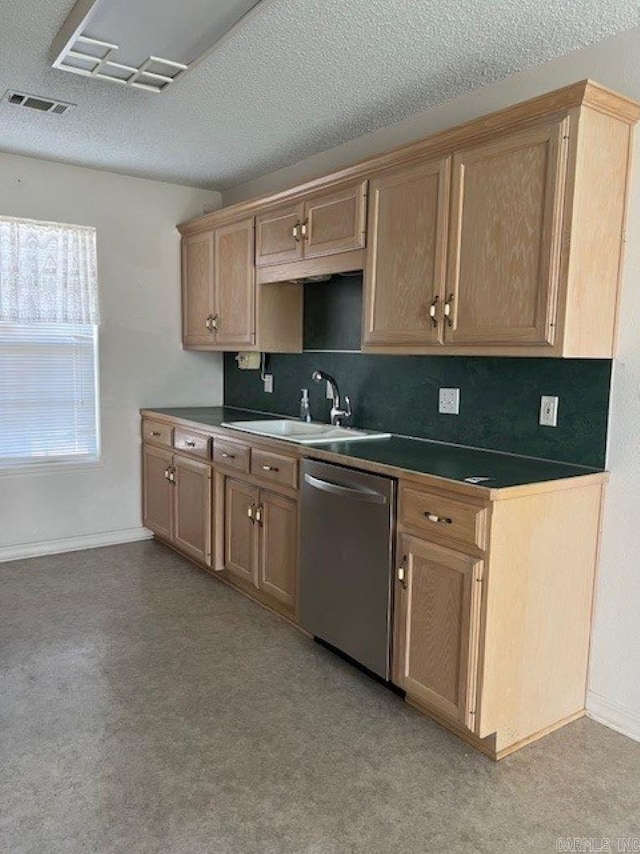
x: 449, y: 401
x: 549, y: 410
x: 268, y: 383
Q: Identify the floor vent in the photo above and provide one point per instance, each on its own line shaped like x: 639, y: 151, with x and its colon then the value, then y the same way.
x: 35, y: 102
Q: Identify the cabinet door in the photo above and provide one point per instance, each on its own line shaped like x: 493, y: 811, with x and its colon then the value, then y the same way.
x: 437, y: 627
x: 192, y: 508
x: 234, y: 287
x: 406, y: 249
x: 279, y: 235
x: 240, y: 532
x: 197, y: 289
x: 335, y: 222
x: 279, y: 547
x: 157, y: 491
x: 504, y: 249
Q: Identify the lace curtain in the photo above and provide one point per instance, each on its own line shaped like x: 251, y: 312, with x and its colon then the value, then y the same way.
x: 47, y: 272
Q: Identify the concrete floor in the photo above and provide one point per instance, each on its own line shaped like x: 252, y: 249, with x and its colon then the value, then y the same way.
x: 147, y: 708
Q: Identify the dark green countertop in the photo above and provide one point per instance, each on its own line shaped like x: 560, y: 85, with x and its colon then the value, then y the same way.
x: 453, y: 462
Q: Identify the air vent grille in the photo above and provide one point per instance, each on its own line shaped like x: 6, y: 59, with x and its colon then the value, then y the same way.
x: 36, y: 102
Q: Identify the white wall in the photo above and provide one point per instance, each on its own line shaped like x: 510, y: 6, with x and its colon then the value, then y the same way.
x: 614, y: 695
x: 141, y: 359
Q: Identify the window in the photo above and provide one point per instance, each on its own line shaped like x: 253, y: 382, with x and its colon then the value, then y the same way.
x: 48, y: 344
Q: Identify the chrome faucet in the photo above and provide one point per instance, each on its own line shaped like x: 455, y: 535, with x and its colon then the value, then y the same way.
x: 338, y: 415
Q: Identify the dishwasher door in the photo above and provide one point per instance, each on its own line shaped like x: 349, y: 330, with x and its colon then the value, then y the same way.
x: 346, y: 561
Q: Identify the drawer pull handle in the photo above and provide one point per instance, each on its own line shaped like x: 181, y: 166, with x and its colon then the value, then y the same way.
x: 190, y: 444
x: 270, y: 468
x: 226, y: 456
x: 155, y: 433
x: 433, y: 517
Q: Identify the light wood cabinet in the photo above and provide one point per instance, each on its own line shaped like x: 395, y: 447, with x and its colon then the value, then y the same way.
x: 437, y: 627
x: 261, y: 541
x: 493, y: 606
x: 506, y: 229
x: 192, y: 514
x: 234, y: 285
x: 157, y: 494
x: 240, y: 533
x: 279, y: 547
x: 404, y: 285
x: 325, y: 224
x: 176, y: 501
x: 197, y: 290
x: 278, y: 235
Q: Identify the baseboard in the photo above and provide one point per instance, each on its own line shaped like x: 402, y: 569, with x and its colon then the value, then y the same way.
x: 74, y: 544
x: 615, y: 715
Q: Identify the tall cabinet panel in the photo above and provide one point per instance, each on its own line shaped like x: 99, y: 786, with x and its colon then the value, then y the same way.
x: 192, y: 508
x: 505, y: 240
x: 406, y: 252
x: 234, y: 291
x: 197, y: 289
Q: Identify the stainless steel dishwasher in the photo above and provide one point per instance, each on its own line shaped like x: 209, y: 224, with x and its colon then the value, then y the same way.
x: 346, y: 561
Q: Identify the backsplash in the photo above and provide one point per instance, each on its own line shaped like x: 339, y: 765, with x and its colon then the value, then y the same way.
x: 499, y: 397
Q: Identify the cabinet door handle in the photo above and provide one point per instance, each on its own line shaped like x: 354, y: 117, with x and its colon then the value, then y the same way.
x: 258, y: 514
x: 304, y: 228
x: 171, y: 477
x: 432, y: 311
x: 167, y: 472
x: 250, y: 512
x: 402, y: 572
x: 296, y: 232
x: 447, y: 310
x: 433, y: 517
x: 226, y: 456
x: 214, y: 322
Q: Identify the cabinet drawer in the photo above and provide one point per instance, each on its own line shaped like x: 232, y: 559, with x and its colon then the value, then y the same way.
x: 275, y: 468
x: 157, y: 432
x: 198, y: 444
x: 444, y: 518
x: 233, y: 455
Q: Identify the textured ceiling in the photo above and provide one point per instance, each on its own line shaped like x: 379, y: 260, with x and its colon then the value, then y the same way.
x: 299, y: 77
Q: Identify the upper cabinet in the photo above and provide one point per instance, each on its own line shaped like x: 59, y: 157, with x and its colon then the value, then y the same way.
x: 405, y: 263
x: 503, y: 236
x: 506, y: 227
x: 221, y: 307
x: 323, y: 224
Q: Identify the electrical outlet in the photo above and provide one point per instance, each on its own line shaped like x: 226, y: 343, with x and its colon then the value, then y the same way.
x: 549, y: 410
x: 449, y: 401
x: 329, y: 392
x: 268, y: 383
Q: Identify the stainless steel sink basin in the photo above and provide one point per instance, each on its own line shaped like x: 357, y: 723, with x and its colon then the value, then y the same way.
x: 291, y: 430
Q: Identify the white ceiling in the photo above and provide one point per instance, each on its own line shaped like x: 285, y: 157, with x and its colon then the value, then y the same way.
x: 298, y: 77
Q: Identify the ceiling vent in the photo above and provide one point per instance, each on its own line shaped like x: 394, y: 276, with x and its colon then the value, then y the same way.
x: 35, y: 102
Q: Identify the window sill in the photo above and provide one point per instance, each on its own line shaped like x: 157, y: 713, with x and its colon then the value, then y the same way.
x: 66, y: 467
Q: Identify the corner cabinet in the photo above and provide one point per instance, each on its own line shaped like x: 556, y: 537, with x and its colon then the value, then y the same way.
x: 222, y: 308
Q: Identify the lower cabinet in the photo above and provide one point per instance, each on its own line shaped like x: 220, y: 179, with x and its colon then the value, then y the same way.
x: 261, y: 541
x: 437, y: 601
x: 177, y: 501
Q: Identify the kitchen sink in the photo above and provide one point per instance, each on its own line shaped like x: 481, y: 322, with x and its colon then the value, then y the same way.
x: 291, y: 430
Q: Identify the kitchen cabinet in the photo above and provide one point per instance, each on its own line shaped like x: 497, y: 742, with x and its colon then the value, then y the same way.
x: 506, y: 231
x: 323, y: 224
x: 437, y: 623
x: 404, y: 283
x: 222, y: 308
x: 176, y: 496
x: 261, y: 541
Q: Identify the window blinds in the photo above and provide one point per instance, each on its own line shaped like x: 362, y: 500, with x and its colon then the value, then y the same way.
x: 48, y: 343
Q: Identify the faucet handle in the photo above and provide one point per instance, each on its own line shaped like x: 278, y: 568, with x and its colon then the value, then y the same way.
x: 347, y: 407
